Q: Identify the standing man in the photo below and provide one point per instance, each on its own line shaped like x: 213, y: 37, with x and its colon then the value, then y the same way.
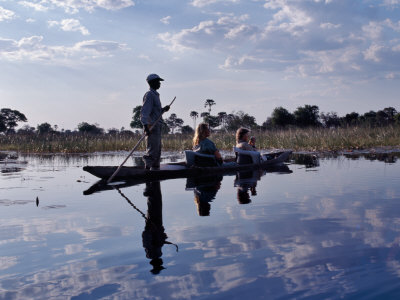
x: 149, y: 114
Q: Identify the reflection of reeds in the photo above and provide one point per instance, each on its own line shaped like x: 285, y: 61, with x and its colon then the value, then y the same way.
x: 315, y: 139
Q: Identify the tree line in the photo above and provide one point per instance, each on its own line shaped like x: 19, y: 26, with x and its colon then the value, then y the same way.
x: 303, y: 116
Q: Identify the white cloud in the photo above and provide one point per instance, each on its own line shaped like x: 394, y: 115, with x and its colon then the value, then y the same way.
x: 310, y: 38
x: 222, y: 34
x: 33, y: 49
x: 289, y: 18
x: 329, y: 26
x: 391, y: 3
x: 202, y: 3
x: 145, y: 57
x: 73, y: 6
x: 6, y: 14
x: 70, y: 25
x: 165, y: 20
x: 372, y: 53
x: 35, y: 5
x: 373, y: 30
x: 30, y: 20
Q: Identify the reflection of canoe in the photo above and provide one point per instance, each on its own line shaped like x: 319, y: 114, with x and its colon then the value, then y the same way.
x: 179, y: 170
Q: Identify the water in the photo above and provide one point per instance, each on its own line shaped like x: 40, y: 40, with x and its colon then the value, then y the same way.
x: 325, y: 228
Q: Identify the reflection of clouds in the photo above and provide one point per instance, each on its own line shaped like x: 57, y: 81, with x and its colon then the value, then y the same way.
x: 77, y: 279
x: 73, y: 249
x: 18, y: 230
x: 372, y: 217
x: 394, y: 267
x: 330, y: 243
x: 230, y: 276
x: 7, y: 262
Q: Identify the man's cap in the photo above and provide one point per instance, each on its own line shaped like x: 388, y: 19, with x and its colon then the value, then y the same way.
x: 153, y: 77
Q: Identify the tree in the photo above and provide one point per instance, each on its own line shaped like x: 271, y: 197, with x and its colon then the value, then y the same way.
x: 386, y: 116
x: 3, y: 127
x: 307, y: 116
x: 187, y: 129
x: 44, y: 128
x: 204, y: 115
x: 240, y: 119
x: 9, y: 119
x: 213, y: 121
x: 369, y: 118
x: 194, y: 115
x: 113, y: 131
x: 397, y: 118
x: 209, y: 103
x: 173, y: 122
x: 85, y: 127
x: 281, y: 117
x: 26, y: 129
x: 221, y: 117
x: 136, y: 123
x: 391, y: 112
x: 330, y: 119
x: 350, y: 119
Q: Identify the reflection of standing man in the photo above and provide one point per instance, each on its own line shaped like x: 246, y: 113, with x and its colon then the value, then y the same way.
x: 149, y: 114
x: 153, y: 236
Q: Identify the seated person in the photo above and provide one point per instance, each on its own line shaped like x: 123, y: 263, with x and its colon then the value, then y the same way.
x: 242, y: 139
x: 203, y: 145
x: 252, y: 142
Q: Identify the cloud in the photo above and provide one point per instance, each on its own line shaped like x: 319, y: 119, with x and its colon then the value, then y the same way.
x: 202, y: 3
x: 33, y: 49
x: 70, y: 25
x: 165, y: 20
x: 391, y: 3
x: 73, y: 6
x: 144, y: 57
x: 307, y: 38
x: 222, y: 33
x: 35, y: 5
x: 6, y: 14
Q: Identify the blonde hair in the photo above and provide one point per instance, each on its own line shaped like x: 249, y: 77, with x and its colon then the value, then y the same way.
x: 240, y: 133
x: 200, y: 133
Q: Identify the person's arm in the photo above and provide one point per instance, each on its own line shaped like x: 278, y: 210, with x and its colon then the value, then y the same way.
x: 145, y: 112
x: 218, y: 157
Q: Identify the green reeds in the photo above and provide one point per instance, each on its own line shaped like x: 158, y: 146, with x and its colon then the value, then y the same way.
x: 310, y: 139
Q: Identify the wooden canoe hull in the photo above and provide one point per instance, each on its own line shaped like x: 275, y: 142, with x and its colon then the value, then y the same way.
x: 169, y: 171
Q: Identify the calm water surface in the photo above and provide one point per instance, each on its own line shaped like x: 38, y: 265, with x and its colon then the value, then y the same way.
x: 324, y: 228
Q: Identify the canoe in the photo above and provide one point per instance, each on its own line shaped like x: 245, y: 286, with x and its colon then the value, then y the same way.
x: 196, y: 182
x: 180, y: 170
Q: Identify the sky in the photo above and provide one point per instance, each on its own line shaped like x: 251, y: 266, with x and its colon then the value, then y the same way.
x: 73, y: 61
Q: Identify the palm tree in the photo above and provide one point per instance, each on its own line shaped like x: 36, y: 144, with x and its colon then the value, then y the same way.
x: 209, y: 103
x: 221, y: 116
x: 204, y: 115
x: 194, y: 115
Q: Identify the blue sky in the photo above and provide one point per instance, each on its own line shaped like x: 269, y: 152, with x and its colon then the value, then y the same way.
x: 65, y: 62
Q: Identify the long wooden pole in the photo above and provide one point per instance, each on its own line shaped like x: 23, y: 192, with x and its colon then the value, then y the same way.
x: 137, y: 145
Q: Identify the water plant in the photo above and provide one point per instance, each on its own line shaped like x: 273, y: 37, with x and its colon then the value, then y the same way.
x: 311, y: 139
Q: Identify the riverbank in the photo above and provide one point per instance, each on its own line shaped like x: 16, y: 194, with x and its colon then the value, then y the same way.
x: 311, y: 139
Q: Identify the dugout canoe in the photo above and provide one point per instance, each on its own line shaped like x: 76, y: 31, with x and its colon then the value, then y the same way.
x: 180, y: 170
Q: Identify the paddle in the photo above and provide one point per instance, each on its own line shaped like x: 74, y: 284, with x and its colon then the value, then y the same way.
x: 137, y: 144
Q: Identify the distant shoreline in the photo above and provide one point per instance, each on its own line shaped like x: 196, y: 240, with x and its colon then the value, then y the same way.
x: 311, y: 140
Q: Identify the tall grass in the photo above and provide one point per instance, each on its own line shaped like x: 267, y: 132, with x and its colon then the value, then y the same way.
x: 313, y: 139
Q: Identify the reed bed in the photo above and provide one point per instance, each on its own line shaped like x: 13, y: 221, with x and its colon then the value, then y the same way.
x: 310, y: 139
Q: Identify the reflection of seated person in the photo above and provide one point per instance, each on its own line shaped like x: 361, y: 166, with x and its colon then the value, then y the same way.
x: 153, y: 236
x: 242, y: 139
x: 203, y: 145
x: 203, y: 195
x: 243, y: 196
x: 246, y: 182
